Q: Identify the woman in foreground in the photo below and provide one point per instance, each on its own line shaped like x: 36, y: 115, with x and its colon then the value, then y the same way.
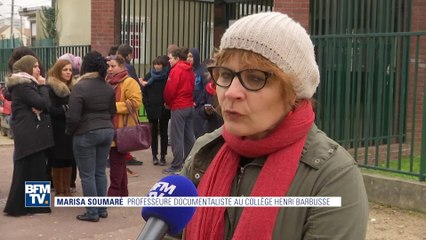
x: 266, y: 75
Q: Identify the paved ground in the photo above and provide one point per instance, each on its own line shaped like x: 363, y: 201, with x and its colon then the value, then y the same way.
x: 122, y: 223
x: 126, y: 223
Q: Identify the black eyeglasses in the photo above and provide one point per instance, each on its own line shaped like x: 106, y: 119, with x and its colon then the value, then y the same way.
x: 251, y: 79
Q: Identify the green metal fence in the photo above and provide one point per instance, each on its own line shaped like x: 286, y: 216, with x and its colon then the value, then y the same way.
x: 47, y: 55
x: 370, y: 97
x: 149, y: 26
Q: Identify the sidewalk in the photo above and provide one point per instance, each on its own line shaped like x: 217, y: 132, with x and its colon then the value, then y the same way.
x: 126, y: 223
x: 122, y: 223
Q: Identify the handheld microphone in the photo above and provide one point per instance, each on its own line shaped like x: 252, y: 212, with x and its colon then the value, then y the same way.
x: 171, y: 220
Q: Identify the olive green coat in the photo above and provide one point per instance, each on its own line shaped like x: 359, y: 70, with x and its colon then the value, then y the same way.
x: 325, y: 169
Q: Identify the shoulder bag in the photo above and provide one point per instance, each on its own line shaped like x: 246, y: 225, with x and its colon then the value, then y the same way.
x: 133, y: 138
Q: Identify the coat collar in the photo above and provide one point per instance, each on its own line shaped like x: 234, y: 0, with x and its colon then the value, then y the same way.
x: 60, y: 88
x: 317, y: 150
x: 12, y: 81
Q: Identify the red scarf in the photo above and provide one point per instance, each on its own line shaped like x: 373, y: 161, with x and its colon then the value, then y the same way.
x: 114, y: 80
x: 283, y: 148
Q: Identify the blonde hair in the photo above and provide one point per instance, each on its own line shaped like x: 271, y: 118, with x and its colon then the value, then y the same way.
x: 250, y: 58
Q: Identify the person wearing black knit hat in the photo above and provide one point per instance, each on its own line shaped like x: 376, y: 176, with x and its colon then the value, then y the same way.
x: 89, y: 120
x: 31, y: 126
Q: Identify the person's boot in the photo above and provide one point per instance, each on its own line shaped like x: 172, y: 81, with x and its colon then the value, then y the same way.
x: 66, y: 180
x: 155, y: 160
x: 163, y: 160
x: 57, y: 181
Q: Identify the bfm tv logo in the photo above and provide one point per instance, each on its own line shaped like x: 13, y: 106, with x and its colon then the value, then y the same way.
x: 37, y: 194
x: 162, y: 188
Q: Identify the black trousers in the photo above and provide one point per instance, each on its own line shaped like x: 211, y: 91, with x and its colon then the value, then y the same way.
x: 162, y: 126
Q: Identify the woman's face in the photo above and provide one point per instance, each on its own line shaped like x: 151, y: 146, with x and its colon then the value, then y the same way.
x: 36, y: 70
x: 66, y: 72
x: 251, y: 114
x: 114, y: 67
x: 172, y: 60
x: 158, y: 67
x: 190, y: 58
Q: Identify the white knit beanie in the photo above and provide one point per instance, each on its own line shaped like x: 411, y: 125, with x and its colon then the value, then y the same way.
x: 283, y: 41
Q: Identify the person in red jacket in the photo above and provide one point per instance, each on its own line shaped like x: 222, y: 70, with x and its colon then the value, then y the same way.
x: 178, y: 96
x: 7, y: 105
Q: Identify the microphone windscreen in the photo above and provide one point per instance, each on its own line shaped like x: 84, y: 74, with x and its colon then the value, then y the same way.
x: 175, y: 217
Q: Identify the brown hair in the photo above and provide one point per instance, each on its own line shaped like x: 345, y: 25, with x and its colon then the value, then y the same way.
x: 118, y: 58
x: 171, y: 48
x: 250, y: 58
x: 181, y: 53
x: 56, y: 70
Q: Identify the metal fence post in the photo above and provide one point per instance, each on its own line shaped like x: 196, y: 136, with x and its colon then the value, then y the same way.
x: 422, y: 173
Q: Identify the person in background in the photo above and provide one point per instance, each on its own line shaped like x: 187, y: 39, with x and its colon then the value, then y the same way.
x: 178, y: 96
x: 75, y: 62
x: 211, y: 61
x: 76, y: 65
x: 113, y: 50
x: 210, y: 111
x: 266, y: 75
x: 18, y: 53
x: 127, y: 92
x: 31, y: 126
x: 126, y: 51
x: 170, y: 49
x: 5, y: 112
x: 61, y: 82
x: 89, y: 121
x: 154, y: 84
x: 201, y: 74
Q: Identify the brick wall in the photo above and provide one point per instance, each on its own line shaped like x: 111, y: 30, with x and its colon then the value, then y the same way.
x: 104, y: 27
x: 296, y: 9
x: 418, y: 21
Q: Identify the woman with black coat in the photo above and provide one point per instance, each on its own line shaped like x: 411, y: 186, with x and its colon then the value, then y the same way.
x: 154, y: 84
x: 32, y: 130
x: 61, y: 155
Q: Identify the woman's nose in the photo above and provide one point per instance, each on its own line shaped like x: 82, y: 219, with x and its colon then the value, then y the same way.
x: 235, y: 90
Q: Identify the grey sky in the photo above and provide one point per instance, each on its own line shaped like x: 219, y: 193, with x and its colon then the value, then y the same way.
x: 6, y: 8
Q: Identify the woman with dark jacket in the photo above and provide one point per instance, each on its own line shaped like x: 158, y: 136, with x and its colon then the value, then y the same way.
x: 200, y: 73
x: 61, y: 155
x: 32, y: 131
x: 89, y: 120
x: 154, y: 84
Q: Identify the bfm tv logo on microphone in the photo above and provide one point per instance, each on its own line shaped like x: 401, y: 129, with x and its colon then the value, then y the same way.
x: 161, y: 188
x: 37, y: 194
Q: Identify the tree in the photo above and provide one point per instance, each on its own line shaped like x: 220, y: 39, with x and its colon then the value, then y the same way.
x: 49, y: 16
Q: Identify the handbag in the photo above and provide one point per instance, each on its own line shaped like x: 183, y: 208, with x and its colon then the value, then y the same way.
x: 133, y: 138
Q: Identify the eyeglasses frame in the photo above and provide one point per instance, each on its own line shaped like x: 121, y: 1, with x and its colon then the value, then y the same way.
x: 238, y: 74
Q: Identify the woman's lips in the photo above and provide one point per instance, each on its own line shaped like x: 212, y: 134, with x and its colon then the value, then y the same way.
x: 232, y: 115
